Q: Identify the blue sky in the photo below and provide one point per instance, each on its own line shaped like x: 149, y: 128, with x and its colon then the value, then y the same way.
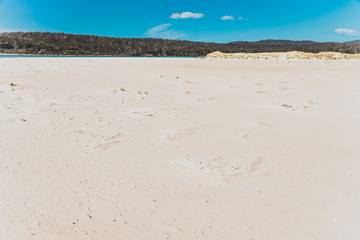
x: 199, y: 20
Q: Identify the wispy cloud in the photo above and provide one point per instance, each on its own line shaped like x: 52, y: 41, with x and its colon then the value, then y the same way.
x: 240, y: 18
x: 162, y: 31
x: 186, y: 15
x: 227, y: 17
x: 347, y: 32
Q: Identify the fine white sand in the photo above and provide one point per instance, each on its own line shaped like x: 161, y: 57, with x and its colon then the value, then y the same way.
x: 136, y: 148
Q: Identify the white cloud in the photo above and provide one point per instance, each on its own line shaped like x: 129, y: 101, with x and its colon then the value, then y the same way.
x: 186, y: 15
x: 348, y: 32
x: 240, y: 18
x: 162, y: 31
x: 157, y: 29
x: 227, y: 17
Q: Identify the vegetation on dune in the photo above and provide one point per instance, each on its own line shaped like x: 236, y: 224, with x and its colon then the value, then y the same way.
x: 285, y: 55
x: 70, y: 44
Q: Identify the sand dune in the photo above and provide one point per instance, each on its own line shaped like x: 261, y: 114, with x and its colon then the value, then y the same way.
x: 286, y: 55
x: 137, y: 148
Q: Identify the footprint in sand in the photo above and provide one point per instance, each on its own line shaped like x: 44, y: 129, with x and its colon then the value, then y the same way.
x: 177, y: 134
x: 240, y: 136
x: 305, y: 107
x: 218, y: 167
x: 257, y: 125
x: 69, y: 133
x: 245, y: 136
x: 103, y: 143
x: 142, y: 114
x: 286, y: 89
x: 288, y: 106
x: 210, y: 99
x: 308, y: 105
x: 75, y: 99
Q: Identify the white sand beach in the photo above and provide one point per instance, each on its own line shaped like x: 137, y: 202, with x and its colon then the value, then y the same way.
x: 179, y: 148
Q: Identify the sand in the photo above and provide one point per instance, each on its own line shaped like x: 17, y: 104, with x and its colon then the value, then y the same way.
x: 287, y: 55
x: 139, y: 148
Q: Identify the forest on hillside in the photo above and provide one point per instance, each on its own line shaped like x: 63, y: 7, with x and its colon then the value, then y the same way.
x: 71, y: 44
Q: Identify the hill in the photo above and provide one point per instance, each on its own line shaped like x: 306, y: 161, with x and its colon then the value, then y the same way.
x: 71, y: 44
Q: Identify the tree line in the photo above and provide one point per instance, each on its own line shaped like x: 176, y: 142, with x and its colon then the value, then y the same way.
x: 71, y: 44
